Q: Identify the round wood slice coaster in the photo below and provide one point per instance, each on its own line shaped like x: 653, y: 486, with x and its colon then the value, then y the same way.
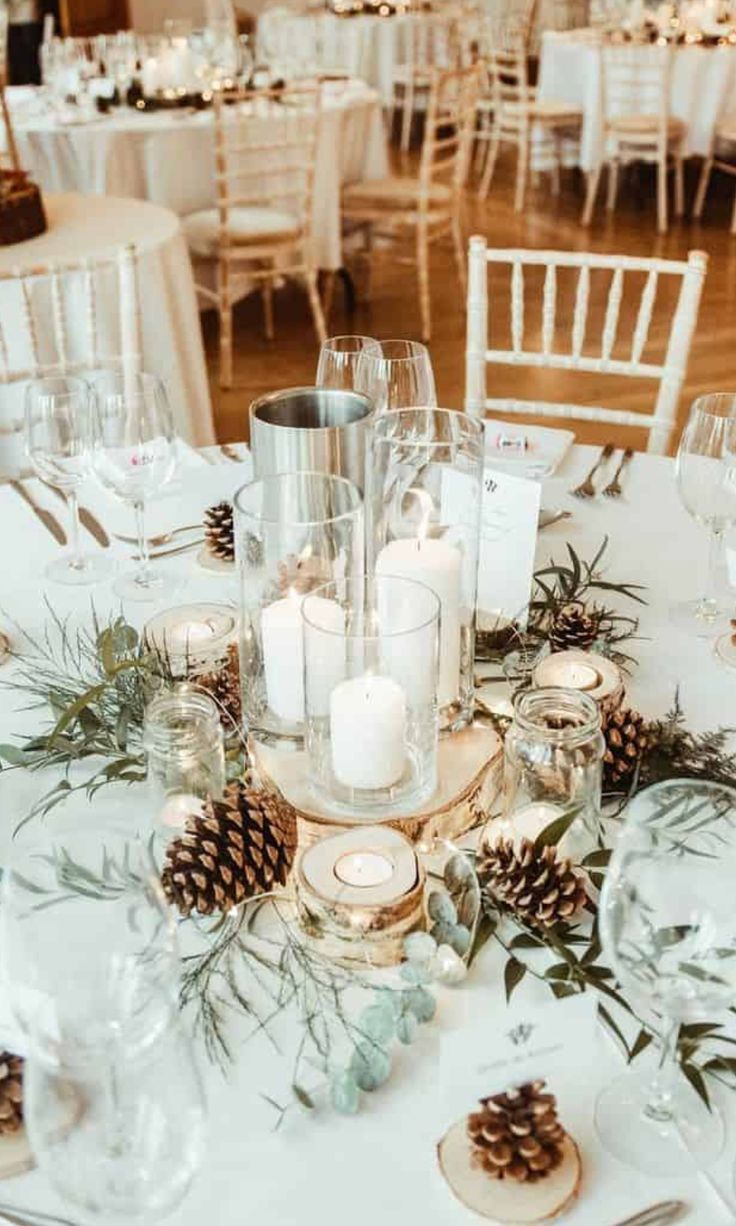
x: 208, y: 561
x: 16, y: 1156
x: 505, y: 1201
x: 4, y: 647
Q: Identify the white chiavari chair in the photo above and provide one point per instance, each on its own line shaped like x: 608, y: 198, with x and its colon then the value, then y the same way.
x: 430, y: 44
x: 540, y: 338
x: 565, y: 14
x: 430, y: 205
x: 261, y: 229
x: 637, y: 125
x: 50, y: 325
x: 721, y: 157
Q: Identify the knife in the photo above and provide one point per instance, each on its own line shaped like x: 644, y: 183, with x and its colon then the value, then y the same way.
x: 656, y: 1215
x: 87, y: 519
x: 49, y: 521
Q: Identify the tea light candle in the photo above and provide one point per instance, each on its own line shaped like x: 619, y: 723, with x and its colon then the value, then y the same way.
x: 364, y: 869
x: 191, y: 637
x: 368, y: 732
x: 570, y: 674
x: 438, y: 565
x: 282, y: 635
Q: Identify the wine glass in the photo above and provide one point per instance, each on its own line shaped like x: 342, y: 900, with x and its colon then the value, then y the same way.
x: 706, y: 480
x: 338, y: 360
x: 134, y: 457
x: 668, y: 929
x: 396, y: 375
x: 58, y: 440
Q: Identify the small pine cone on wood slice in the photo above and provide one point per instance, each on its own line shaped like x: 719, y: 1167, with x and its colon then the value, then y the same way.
x: 536, y: 886
x: 573, y: 626
x: 11, y: 1093
x: 219, y: 532
x: 239, y: 847
x: 223, y: 687
x: 627, y: 738
x: 517, y: 1135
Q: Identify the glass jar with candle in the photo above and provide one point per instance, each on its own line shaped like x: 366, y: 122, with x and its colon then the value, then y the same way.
x: 185, y: 754
x: 370, y: 688
x: 424, y: 491
x: 553, y: 762
x: 294, y: 532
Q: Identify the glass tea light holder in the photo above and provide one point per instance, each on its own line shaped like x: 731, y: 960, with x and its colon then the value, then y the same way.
x: 185, y: 755
x: 370, y: 682
x: 553, y: 756
x: 191, y: 639
x: 294, y: 532
x: 423, y: 507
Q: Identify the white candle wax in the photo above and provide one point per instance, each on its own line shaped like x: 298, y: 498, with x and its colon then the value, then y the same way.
x: 177, y: 807
x: 567, y: 673
x: 438, y: 565
x: 367, y: 732
x: 191, y: 634
x: 282, y: 636
x: 364, y: 868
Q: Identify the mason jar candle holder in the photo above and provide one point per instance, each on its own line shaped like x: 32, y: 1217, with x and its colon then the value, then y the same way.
x: 370, y: 684
x: 553, y: 758
x: 423, y: 505
x: 185, y: 755
x: 294, y: 532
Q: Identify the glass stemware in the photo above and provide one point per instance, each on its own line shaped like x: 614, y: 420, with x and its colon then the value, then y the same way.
x: 668, y: 928
x: 706, y: 480
x: 58, y: 440
x: 338, y: 360
x: 396, y: 374
x: 134, y: 456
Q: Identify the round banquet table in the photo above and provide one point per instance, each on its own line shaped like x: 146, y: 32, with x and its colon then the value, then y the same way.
x: 167, y: 157
x: 703, y: 88
x: 320, y: 1169
x: 89, y: 226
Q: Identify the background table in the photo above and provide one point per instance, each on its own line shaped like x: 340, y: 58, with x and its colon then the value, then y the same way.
x: 703, y: 88
x: 84, y: 226
x: 167, y: 157
x: 380, y: 1166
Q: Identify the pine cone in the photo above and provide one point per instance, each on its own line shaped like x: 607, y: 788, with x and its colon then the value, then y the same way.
x: 241, y: 846
x: 517, y: 1135
x: 537, y: 887
x: 303, y: 575
x: 733, y: 628
x: 223, y: 687
x: 627, y: 737
x: 11, y: 1093
x: 573, y: 627
x: 219, y: 534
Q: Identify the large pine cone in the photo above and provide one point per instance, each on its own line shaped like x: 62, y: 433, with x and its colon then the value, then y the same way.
x: 537, y: 887
x: 223, y: 687
x: 11, y: 1093
x: 239, y: 847
x: 627, y: 737
x: 517, y: 1135
x: 573, y: 627
x: 219, y: 533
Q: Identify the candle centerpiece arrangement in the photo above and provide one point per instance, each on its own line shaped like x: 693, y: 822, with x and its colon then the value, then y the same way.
x: 191, y: 639
x: 586, y: 671
x: 185, y: 755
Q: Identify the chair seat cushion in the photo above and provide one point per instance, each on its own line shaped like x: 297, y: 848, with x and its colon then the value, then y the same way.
x: 393, y: 192
x: 726, y: 129
x: 547, y: 110
x: 645, y: 125
x: 245, y: 225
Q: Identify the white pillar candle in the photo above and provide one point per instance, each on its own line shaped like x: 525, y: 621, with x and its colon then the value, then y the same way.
x: 282, y: 636
x: 367, y: 732
x: 438, y: 565
x: 364, y: 869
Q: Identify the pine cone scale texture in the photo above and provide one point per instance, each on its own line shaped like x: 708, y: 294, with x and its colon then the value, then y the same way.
x: 11, y: 1093
x: 219, y: 532
x: 517, y: 1135
x: 538, y: 887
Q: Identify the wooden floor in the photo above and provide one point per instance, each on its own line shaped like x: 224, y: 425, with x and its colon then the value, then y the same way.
x: 550, y: 222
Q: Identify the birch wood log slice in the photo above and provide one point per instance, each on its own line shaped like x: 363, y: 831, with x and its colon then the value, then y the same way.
x: 469, y: 771
x: 608, y: 691
x: 16, y: 1156
x: 505, y: 1201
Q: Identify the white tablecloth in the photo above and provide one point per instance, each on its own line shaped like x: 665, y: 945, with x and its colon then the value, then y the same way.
x: 168, y: 157
x: 83, y: 226
x: 703, y: 88
x: 380, y: 1166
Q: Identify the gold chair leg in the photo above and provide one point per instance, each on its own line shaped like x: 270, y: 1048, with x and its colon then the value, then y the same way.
x: 679, y: 186
x: 423, y: 277
x: 320, y: 327
x: 328, y: 293
x: 267, y: 297
x: 522, y: 169
x: 226, y: 326
x: 662, y: 197
x: 703, y: 185
x: 458, y: 244
x: 594, y: 178
x: 613, y: 169
x: 407, y: 116
x: 490, y: 166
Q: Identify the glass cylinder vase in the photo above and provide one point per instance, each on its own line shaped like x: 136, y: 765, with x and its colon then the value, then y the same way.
x: 423, y: 506
x: 553, y: 756
x: 185, y: 754
x: 370, y: 685
x: 294, y: 532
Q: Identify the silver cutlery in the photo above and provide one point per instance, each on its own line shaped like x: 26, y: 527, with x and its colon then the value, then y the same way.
x: 549, y: 517
x: 164, y: 538
x: 613, y: 489
x: 170, y: 553
x: 586, y: 489
x: 49, y: 521
x: 657, y: 1215
x: 86, y: 519
x: 30, y: 1217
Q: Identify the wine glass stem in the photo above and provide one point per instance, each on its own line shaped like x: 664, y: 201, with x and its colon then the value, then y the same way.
x: 709, y: 602
x: 140, y: 527
x: 659, y: 1108
x: 76, y: 561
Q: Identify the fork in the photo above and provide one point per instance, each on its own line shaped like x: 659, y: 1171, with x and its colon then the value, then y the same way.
x: 586, y: 489
x: 613, y: 489
x: 162, y: 539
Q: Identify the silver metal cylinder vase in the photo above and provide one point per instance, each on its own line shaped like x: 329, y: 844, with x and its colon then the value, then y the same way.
x: 314, y: 429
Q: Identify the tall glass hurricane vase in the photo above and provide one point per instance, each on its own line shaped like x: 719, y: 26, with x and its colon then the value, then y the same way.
x: 423, y: 509
x: 706, y: 480
x: 668, y: 929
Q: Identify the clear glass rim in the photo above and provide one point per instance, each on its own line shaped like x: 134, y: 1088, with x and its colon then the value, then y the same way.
x: 417, y: 351
x: 718, y: 405
x: 666, y: 785
x: 566, y: 698
x: 365, y: 580
x: 473, y: 425
x: 143, y: 380
x: 77, y: 386
x: 338, y: 344
x: 279, y: 478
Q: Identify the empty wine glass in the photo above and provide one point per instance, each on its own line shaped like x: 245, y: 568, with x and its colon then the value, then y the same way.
x: 338, y: 360
x: 134, y: 457
x: 706, y: 480
x: 396, y: 375
x: 58, y: 440
x: 668, y: 929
